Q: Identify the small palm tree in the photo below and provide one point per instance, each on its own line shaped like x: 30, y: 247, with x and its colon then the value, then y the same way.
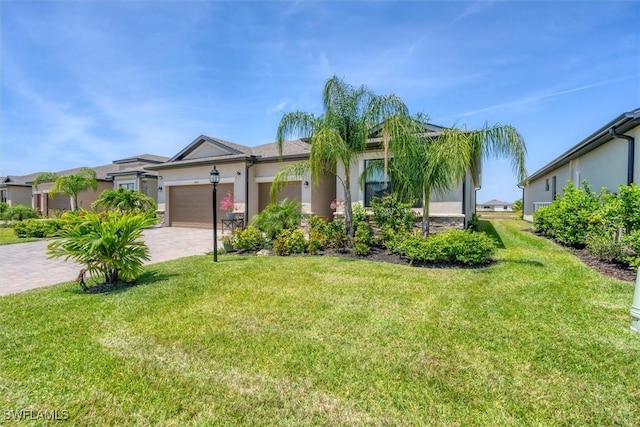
x: 124, y: 200
x: 109, y: 244
x: 70, y: 185
x: 278, y: 216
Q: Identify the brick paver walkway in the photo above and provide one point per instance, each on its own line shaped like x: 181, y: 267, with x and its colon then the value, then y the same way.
x: 25, y: 266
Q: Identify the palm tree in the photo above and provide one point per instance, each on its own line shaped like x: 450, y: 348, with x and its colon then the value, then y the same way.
x: 337, y: 137
x: 71, y: 185
x: 125, y: 200
x: 426, y: 163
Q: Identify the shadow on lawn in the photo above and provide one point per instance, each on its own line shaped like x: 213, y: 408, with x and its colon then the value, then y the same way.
x: 147, y: 278
x: 488, y: 228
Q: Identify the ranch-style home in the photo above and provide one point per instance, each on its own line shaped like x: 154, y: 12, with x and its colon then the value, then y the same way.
x: 246, y: 173
x: 607, y: 158
x: 128, y: 173
x: 494, y: 205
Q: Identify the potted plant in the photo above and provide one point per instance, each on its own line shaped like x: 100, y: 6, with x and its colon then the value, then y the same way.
x: 228, y: 242
x: 228, y: 204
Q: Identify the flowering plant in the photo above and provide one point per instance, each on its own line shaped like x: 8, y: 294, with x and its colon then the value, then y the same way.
x: 228, y: 204
x: 336, y: 203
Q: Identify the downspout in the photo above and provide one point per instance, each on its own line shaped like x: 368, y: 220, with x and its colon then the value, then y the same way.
x: 247, y: 166
x: 464, y: 201
x: 522, y: 187
x: 630, y: 152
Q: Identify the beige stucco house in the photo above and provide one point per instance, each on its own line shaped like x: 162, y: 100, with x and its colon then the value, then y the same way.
x: 16, y: 190
x: 607, y: 158
x: 128, y: 173
x: 185, y: 194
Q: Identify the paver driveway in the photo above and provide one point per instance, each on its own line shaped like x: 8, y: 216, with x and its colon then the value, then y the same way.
x: 25, y: 266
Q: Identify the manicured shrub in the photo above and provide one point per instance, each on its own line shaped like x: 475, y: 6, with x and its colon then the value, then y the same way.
x: 363, y: 238
x: 567, y: 219
x: 314, y: 245
x: 276, y: 217
x: 604, y: 246
x: 38, y: 228
x: 4, y: 207
x: 108, y: 244
x: 317, y: 233
x: 463, y: 247
x: 631, y: 249
x: 290, y: 242
x: 392, y: 212
x: 19, y: 213
x: 250, y: 239
x: 336, y: 234
x: 629, y: 199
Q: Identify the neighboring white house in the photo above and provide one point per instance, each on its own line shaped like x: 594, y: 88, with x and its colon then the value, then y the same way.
x: 494, y: 205
x: 607, y: 158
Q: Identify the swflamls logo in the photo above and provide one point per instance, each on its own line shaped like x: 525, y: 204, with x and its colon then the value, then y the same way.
x: 33, y: 415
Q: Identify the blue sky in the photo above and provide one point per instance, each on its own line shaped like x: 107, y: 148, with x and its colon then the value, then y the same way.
x: 86, y: 83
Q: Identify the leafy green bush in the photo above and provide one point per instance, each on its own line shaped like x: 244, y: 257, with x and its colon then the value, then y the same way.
x: 604, y: 246
x: 631, y: 249
x: 336, y: 234
x: 629, y: 199
x: 290, y: 242
x: 4, y: 207
x: 463, y: 247
x: 363, y: 238
x: 109, y: 244
x: 125, y: 200
x: 392, y: 212
x: 19, y: 213
x: 358, y: 214
x: 277, y: 217
x: 250, y: 239
x: 38, y: 227
x: 317, y: 234
x: 567, y: 219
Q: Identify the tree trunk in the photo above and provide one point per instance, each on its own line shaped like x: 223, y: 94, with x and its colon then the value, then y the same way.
x: 74, y: 202
x: 426, y: 195
x: 348, y: 211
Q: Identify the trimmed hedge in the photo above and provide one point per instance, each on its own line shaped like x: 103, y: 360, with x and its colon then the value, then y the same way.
x: 461, y: 247
x: 38, y: 227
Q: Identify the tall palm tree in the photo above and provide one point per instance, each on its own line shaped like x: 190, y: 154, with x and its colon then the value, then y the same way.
x: 337, y: 137
x: 71, y: 185
x: 427, y: 163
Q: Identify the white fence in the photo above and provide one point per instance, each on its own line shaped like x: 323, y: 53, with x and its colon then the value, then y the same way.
x: 538, y: 205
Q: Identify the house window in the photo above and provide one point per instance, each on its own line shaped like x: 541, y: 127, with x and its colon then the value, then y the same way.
x: 504, y: 207
x: 375, y: 185
x: 3, y: 196
x: 127, y: 185
x: 546, y: 184
x: 486, y: 207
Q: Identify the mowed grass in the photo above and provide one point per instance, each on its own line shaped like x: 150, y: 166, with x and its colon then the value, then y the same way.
x: 8, y: 236
x: 536, y: 339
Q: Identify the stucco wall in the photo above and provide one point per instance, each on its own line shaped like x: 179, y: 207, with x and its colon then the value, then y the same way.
x: 441, y: 204
x: 536, y: 191
x: 606, y: 166
x: 18, y: 195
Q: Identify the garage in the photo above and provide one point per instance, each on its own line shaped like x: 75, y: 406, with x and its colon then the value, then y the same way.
x: 292, y: 191
x: 190, y: 205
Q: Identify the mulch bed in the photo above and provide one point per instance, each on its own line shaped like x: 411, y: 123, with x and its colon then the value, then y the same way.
x: 615, y: 270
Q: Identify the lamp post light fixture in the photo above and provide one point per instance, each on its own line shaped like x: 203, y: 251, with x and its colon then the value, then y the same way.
x: 214, y: 178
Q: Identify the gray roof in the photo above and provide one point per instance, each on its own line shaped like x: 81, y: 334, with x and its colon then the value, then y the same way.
x: 21, y: 180
x: 621, y: 124
x: 494, y: 202
x: 148, y: 158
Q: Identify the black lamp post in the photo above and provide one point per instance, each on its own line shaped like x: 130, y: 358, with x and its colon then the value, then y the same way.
x: 214, y: 178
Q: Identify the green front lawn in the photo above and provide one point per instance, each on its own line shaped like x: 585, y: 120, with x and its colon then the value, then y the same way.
x: 8, y: 236
x: 536, y: 339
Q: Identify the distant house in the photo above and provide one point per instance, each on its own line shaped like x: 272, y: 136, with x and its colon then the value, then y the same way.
x: 16, y: 190
x: 607, y: 158
x: 131, y: 174
x: 494, y: 205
